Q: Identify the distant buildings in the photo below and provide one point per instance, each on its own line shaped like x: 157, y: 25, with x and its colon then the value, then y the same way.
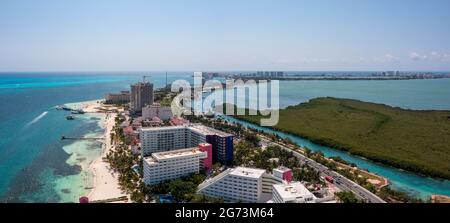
x: 389, y: 74
x: 140, y: 96
x: 269, y: 73
x: 159, y: 139
x: 121, y: 98
x: 155, y: 110
x: 178, y: 121
x: 131, y: 135
x: 174, y: 164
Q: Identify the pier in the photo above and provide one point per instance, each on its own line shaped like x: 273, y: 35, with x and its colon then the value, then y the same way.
x: 81, y: 138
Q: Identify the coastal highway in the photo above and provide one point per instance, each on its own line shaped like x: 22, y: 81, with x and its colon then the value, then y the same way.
x: 340, y: 181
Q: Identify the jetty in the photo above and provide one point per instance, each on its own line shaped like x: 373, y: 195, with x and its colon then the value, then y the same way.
x: 81, y: 138
x: 112, y: 200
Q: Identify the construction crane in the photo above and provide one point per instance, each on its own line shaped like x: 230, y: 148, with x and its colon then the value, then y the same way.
x: 145, y: 77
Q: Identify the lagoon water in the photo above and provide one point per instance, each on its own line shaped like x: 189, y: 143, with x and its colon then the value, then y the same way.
x: 35, y: 166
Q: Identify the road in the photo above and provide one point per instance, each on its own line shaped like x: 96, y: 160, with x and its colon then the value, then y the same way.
x: 340, y: 181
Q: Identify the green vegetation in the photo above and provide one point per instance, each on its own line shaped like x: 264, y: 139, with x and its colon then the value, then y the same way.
x: 121, y: 161
x: 395, y: 196
x: 183, y: 189
x: 418, y: 141
x: 347, y: 197
x: 163, y: 97
x: 246, y: 154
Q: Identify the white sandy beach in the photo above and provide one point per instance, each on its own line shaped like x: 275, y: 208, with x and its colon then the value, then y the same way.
x: 106, y: 184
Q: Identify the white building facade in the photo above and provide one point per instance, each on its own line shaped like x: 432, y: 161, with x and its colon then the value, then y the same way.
x: 162, y: 139
x: 155, y: 110
x: 239, y: 184
x: 170, y: 165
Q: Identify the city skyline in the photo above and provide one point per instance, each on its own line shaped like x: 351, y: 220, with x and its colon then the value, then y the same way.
x: 224, y: 35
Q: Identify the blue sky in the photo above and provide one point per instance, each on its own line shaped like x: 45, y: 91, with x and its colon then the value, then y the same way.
x: 138, y: 35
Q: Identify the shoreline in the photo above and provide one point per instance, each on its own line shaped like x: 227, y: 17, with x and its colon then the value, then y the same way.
x: 105, y: 184
x: 105, y: 181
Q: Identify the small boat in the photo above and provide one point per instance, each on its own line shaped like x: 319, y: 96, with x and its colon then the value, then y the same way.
x: 79, y: 111
x: 62, y: 107
x: 70, y: 117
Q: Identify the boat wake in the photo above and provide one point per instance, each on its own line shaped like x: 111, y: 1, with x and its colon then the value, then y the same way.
x: 36, y: 119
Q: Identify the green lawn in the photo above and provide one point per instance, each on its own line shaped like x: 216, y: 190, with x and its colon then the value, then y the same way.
x: 417, y: 141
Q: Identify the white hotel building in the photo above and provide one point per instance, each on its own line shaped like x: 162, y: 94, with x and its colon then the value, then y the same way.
x: 250, y: 185
x: 294, y: 192
x: 159, y: 139
x: 174, y: 164
x: 162, y: 139
x: 239, y: 184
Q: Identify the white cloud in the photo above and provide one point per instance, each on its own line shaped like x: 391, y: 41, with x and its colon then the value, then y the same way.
x: 440, y: 56
x: 433, y: 56
x: 417, y: 57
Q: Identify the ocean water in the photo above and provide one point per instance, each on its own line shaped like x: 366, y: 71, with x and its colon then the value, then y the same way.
x: 36, y: 166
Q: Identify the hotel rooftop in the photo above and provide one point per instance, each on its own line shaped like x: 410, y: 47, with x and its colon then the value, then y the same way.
x: 161, y: 156
x: 193, y: 127
x: 162, y: 128
x: 208, y: 131
x: 248, y: 172
x: 292, y: 191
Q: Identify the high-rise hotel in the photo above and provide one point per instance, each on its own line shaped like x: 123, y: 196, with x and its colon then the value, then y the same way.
x: 140, y: 96
x: 162, y: 166
x: 162, y: 139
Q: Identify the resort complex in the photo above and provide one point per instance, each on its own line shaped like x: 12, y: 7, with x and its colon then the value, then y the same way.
x: 152, y: 155
x: 157, y: 139
x: 164, y: 149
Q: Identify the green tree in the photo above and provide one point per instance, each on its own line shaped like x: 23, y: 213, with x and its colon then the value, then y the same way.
x: 179, y: 189
x: 347, y: 197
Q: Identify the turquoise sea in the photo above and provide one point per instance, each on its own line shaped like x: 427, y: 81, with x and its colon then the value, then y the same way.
x: 35, y: 166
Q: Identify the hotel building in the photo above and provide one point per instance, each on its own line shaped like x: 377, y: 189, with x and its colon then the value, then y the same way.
x: 206, y: 163
x: 294, y: 192
x: 169, y: 165
x: 176, y: 137
x: 141, y: 95
x: 155, y: 110
x: 250, y: 185
x: 222, y: 143
x: 283, y: 173
x: 238, y: 184
x: 121, y: 98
